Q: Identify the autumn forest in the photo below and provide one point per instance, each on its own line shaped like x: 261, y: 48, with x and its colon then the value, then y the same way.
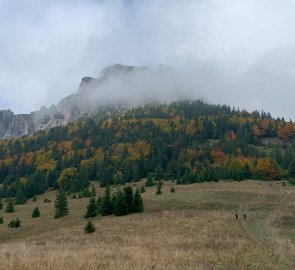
x: 189, y: 142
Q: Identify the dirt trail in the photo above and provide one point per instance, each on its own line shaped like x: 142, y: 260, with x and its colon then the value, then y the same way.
x: 253, y: 236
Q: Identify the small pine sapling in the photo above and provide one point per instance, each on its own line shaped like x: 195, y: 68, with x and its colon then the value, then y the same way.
x: 89, y: 228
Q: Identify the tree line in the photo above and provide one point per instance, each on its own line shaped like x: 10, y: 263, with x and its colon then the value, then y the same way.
x: 187, y: 141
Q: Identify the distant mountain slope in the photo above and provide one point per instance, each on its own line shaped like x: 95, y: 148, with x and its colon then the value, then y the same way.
x: 188, y: 141
x: 117, y: 87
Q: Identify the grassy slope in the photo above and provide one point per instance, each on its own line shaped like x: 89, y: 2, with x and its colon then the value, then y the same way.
x: 193, y: 228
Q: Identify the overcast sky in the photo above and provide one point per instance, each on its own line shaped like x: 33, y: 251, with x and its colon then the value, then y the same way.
x: 240, y: 52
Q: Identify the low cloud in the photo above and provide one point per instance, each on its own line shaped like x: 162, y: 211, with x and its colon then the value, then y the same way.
x: 234, y: 52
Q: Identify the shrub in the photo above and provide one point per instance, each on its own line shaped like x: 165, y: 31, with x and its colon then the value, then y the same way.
x: 172, y: 190
x: 1, y: 220
x: 14, y: 223
x: 89, y: 228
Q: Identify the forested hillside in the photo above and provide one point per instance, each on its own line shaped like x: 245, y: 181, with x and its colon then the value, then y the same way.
x: 187, y: 141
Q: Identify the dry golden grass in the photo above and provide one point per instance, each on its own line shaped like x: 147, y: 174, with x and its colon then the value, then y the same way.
x: 193, y: 228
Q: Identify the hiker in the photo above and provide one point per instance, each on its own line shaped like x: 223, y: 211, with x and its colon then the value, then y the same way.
x: 245, y: 216
x: 237, y: 216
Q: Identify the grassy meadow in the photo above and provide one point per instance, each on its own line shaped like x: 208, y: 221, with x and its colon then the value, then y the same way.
x: 193, y: 228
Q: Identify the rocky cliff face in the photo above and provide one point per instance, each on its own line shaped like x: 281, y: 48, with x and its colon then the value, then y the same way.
x: 12, y: 125
x: 92, y: 98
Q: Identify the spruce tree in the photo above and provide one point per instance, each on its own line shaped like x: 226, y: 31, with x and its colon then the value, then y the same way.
x: 137, y: 202
x: 121, y: 206
x: 159, y: 173
x: 159, y: 188
x: 1, y: 204
x: 17, y: 223
x: 178, y: 180
x: 1, y: 220
x: 128, y: 192
x: 142, y: 189
x: 98, y: 203
x: 20, y: 197
x: 149, y: 182
x: 107, y: 204
x: 291, y: 168
x: 93, y: 191
x: 89, y: 228
x: 91, y: 208
x: 36, y: 213
x: 9, y: 206
x: 172, y: 190
x: 61, y: 205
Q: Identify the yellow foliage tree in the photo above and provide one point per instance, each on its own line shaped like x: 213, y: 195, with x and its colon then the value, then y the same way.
x: 67, y: 174
x: 266, y: 167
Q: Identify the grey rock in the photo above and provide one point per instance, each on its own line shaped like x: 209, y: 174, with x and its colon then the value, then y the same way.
x: 94, y: 96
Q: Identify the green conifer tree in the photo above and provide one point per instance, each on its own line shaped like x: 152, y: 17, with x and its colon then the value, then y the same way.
x: 91, y: 208
x: 36, y: 213
x: 107, y: 204
x: 178, y: 180
x: 9, y: 206
x: 159, y: 188
x: 1, y: 220
x: 142, y: 189
x: 1, y: 204
x: 17, y: 223
x: 291, y: 168
x: 93, y: 191
x: 89, y: 228
x: 149, y: 182
x: 61, y: 205
x: 98, y: 203
x: 172, y: 190
x: 120, y: 206
x: 137, y: 202
x: 20, y: 197
x: 128, y: 192
x: 159, y: 173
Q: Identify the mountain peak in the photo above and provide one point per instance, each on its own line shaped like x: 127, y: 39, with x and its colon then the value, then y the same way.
x: 117, y: 85
x: 118, y: 69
